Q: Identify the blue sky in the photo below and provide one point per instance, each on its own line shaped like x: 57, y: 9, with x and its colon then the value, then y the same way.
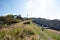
x: 49, y: 9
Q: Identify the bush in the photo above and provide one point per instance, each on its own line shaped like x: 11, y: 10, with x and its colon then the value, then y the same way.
x: 2, y: 25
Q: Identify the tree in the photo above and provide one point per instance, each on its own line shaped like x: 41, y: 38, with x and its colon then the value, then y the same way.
x: 18, y: 16
x: 10, y: 16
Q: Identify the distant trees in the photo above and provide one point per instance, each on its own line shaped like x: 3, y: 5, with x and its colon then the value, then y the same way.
x: 55, y: 24
x: 18, y: 16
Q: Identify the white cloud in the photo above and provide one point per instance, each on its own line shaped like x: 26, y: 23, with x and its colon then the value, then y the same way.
x: 10, y: 13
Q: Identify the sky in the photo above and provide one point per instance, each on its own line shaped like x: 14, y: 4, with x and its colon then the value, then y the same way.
x: 49, y: 9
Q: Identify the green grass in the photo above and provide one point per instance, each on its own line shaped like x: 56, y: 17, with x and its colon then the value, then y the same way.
x: 55, y: 36
x: 16, y: 33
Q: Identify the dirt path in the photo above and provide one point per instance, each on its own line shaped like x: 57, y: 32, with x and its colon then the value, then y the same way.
x: 58, y: 32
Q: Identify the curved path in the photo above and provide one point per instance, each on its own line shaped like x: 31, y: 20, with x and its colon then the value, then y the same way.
x: 58, y: 32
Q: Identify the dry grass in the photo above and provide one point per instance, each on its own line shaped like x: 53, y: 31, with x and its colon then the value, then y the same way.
x: 18, y: 31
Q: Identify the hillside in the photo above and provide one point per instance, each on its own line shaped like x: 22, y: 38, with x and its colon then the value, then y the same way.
x: 14, y: 27
x: 20, y: 31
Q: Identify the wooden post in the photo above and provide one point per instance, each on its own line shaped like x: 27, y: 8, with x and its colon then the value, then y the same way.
x: 42, y: 27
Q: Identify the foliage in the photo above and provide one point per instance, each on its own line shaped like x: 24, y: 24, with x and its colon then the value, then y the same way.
x: 8, y: 20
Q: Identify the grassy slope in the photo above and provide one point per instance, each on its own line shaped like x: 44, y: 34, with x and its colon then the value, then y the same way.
x: 18, y: 32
